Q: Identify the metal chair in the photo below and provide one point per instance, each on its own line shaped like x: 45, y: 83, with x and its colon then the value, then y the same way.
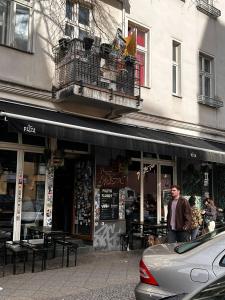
x: 37, y: 248
x: 71, y: 247
x: 17, y: 251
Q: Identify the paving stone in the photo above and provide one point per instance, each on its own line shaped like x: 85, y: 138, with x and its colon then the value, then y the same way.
x: 98, y: 276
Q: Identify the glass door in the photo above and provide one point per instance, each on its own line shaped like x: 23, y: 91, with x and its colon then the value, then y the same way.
x: 158, y: 177
x: 166, y: 180
x: 150, y: 192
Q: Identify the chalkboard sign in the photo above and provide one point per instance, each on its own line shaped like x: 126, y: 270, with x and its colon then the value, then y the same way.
x: 109, y: 204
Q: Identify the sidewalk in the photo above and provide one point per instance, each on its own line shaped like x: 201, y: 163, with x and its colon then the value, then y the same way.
x: 96, y: 276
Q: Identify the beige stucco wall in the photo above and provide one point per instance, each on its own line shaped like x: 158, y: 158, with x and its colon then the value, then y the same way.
x: 196, y: 31
x: 166, y: 20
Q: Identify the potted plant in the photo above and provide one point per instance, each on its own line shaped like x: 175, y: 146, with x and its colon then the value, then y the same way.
x: 105, y: 50
x: 88, y: 42
x: 129, y: 60
x: 64, y: 43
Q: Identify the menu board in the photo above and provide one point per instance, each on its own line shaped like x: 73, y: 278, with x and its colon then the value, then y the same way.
x: 109, y: 204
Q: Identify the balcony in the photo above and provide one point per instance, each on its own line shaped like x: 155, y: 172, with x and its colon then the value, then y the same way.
x: 208, y: 9
x: 97, y: 77
x: 212, y: 102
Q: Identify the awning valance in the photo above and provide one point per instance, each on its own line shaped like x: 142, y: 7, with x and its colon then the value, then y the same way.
x: 44, y: 122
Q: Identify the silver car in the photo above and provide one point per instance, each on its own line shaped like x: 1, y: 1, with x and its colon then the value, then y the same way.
x: 169, y: 269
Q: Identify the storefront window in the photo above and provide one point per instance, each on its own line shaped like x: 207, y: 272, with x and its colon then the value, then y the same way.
x: 33, y: 140
x: 8, y: 161
x: 195, y: 178
x: 6, y: 135
x: 166, y: 183
x: 33, y: 192
x: 111, y: 181
x: 132, y: 201
x: 219, y: 185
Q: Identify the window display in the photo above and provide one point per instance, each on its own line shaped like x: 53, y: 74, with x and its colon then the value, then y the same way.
x: 8, y: 160
x: 33, y: 192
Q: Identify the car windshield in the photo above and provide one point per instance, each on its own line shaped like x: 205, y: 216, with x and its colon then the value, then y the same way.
x: 182, y: 248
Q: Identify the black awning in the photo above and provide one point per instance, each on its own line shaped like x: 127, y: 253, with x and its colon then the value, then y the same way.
x: 44, y: 122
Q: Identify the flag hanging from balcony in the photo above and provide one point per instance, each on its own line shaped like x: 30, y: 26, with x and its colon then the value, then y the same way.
x: 131, y: 44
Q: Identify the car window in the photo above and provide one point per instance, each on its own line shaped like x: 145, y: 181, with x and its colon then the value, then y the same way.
x: 213, y: 291
x: 182, y: 248
x: 222, y: 262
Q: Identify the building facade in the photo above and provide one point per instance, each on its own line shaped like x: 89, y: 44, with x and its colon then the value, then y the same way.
x: 104, y: 105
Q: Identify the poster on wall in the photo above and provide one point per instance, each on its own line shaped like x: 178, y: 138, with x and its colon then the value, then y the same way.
x: 109, y: 204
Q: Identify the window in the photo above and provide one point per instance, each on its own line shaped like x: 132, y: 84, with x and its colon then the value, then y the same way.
x: 33, y: 192
x: 142, y: 49
x: 15, y: 24
x: 176, y: 68
x: 206, y: 76
x: 78, y: 18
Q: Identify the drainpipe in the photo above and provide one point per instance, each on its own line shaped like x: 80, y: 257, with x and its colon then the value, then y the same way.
x: 123, y: 17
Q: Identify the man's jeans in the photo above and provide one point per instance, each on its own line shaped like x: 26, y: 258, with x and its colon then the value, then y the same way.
x: 174, y: 236
x: 194, y: 233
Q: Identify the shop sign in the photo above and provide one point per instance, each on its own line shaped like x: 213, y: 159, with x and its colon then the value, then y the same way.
x: 108, y: 178
x: 109, y: 204
x: 29, y: 129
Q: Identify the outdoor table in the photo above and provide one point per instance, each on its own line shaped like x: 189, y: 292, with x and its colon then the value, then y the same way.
x: 155, y: 229
x: 47, y: 233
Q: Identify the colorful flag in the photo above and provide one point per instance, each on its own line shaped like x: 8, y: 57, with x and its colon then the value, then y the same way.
x: 131, y: 44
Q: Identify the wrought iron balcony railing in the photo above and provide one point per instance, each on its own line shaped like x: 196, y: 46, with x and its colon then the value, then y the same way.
x: 97, y: 67
x: 212, y: 102
x: 208, y: 9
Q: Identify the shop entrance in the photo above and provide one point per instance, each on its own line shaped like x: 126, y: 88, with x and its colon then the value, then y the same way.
x: 73, y: 197
x: 63, y: 196
x: 157, y: 179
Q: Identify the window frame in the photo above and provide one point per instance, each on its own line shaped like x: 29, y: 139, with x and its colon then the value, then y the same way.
x: 74, y: 21
x: 177, y: 65
x: 9, y: 38
x: 144, y: 50
x: 204, y: 74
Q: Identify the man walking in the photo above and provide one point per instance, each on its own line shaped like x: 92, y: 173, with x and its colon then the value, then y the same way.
x: 178, y: 218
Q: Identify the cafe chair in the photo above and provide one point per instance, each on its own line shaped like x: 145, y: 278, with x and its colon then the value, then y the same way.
x: 124, y: 241
x: 17, y: 251
x: 3, y: 255
x: 70, y: 246
x: 137, y: 236
x: 37, y: 248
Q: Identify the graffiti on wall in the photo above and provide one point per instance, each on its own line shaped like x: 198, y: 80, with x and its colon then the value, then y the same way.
x: 107, y: 235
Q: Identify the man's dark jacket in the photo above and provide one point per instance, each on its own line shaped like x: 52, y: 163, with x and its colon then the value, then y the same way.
x: 183, y: 215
